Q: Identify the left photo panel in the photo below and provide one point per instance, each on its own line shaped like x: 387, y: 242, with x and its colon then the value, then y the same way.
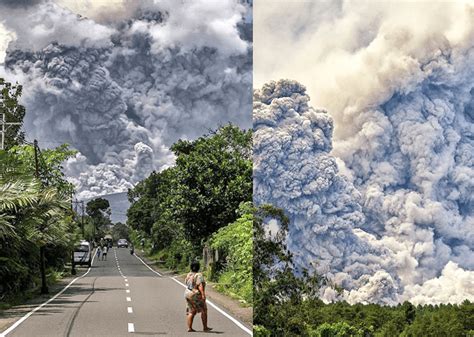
x: 126, y: 167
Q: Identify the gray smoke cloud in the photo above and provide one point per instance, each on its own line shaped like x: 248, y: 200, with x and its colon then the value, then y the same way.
x: 294, y: 170
x: 396, y: 77
x: 417, y: 176
x: 398, y: 226
x: 122, y: 89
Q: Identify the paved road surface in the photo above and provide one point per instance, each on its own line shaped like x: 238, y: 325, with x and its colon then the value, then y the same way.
x: 121, y: 297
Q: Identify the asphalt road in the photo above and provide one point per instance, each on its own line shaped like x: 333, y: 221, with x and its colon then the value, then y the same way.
x: 121, y: 297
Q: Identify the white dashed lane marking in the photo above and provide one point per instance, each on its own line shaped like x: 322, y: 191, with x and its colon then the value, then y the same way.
x: 131, y: 326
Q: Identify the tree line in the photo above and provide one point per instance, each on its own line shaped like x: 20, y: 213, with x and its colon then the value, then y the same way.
x: 203, y: 200
x: 289, y: 305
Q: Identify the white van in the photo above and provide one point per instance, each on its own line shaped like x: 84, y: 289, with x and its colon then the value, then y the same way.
x: 83, y: 253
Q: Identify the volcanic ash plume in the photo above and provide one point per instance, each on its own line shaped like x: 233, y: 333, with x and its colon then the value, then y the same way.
x: 411, y: 157
x: 121, y: 89
x: 397, y: 78
x: 294, y: 170
x: 401, y: 228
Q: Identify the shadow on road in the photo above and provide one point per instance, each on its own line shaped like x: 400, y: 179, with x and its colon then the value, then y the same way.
x: 149, y: 333
x: 58, y: 305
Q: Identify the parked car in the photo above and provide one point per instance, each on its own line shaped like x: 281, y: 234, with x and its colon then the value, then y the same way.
x: 83, y: 254
x: 122, y: 243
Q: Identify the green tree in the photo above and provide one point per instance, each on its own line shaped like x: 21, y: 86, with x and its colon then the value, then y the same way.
x: 340, y: 329
x: 434, y: 323
x: 409, y: 311
x: 277, y: 288
x: 35, y: 212
x: 178, y: 209
x: 120, y: 231
x: 98, y: 210
x: 214, y: 175
x: 14, y: 112
x: 235, y: 242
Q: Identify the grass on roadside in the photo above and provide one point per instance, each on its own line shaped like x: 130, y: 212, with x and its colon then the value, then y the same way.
x: 241, y: 293
x: 11, y: 300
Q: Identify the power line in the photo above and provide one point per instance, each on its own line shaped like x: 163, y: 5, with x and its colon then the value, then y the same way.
x: 71, y: 142
x: 82, y: 214
x: 44, y: 286
x: 3, y: 120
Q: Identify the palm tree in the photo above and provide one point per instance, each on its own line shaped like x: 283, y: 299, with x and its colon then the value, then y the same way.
x: 44, y: 216
x: 14, y: 195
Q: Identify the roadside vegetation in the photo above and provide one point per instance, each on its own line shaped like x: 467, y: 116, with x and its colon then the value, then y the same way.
x: 287, y: 305
x: 37, y: 227
x: 201, y: 204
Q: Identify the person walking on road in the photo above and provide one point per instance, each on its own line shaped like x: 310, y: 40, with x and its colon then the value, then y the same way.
x: 104, y: 252
x: 99, y: 250
x: 195, y: 295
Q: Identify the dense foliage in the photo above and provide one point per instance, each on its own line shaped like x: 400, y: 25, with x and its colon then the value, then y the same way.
x: 314, y: 318
x: 98, y: 218
x: 120, y: 231
x: 14, y: 112
x: 35, y: 205
x: 175, y: 212
x: 288, y: 305
x: 235, y: 242
x: 34, y: 213
x: 214, y: 177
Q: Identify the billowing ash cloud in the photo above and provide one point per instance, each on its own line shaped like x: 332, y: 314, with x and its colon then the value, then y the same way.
x: 402, y: 228
x: 122, y: 89
x: 396, y: 77
x: 416, y: 173
x: 5, y: 38
x: 294, y: 170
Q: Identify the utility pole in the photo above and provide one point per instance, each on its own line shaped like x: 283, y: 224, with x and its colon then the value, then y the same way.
x: 82, y: 219
x: 4, y: 129
x: 75, y: 202
x: 44, y: 286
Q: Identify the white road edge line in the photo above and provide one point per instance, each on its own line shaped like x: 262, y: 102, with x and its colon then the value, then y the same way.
x: 157, y: 273
x: 131, y: 327
x: 130, y: 310
x: 129, y: 299
x: 234, y: 320
x: 128, y: 290
x: 21, y: 320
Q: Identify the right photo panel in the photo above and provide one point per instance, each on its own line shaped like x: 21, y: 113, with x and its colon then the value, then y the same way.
x: 363, y: 168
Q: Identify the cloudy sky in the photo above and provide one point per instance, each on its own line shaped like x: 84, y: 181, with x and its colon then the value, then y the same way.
x: 121, y: 80
x: 370, y: 149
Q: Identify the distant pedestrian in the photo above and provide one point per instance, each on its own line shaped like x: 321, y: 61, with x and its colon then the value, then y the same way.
x: 104, y: 252
x: 195, y: 295
x: 99, y: 250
